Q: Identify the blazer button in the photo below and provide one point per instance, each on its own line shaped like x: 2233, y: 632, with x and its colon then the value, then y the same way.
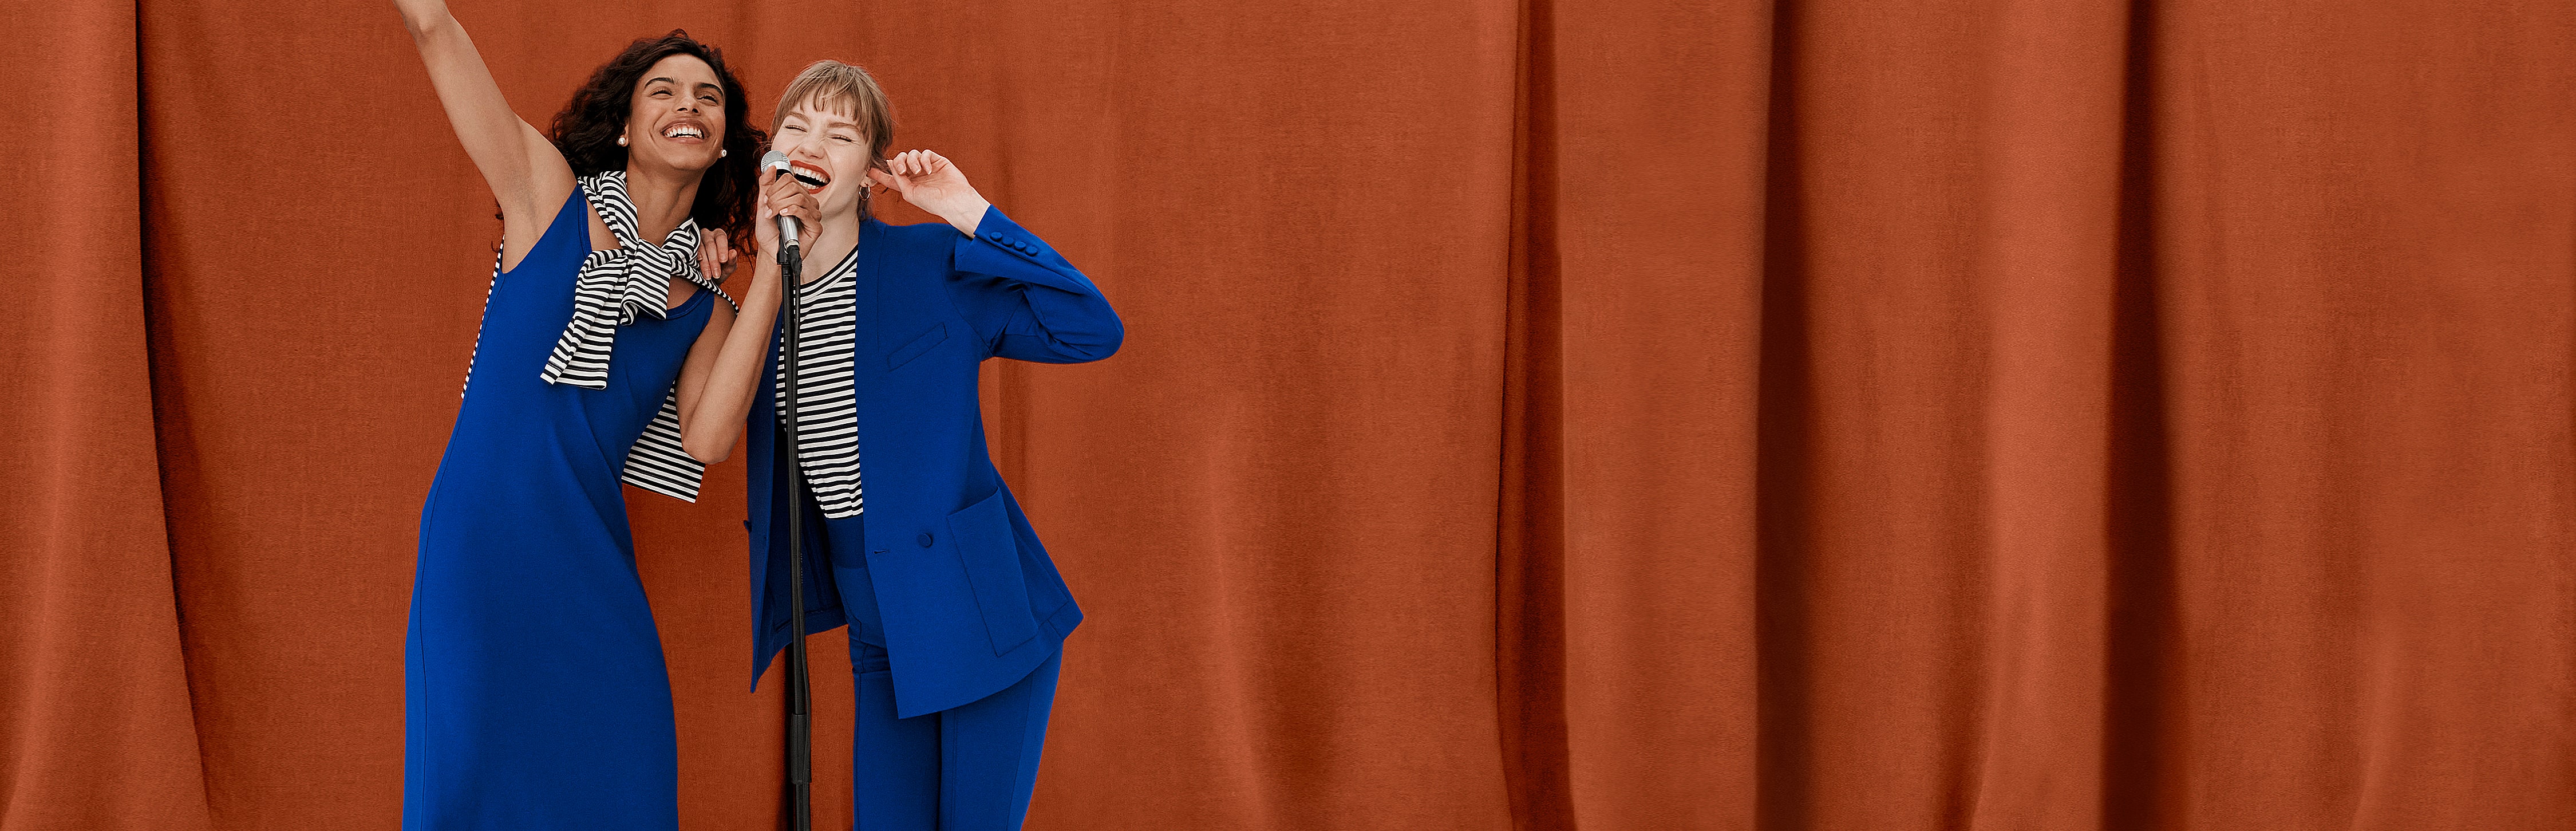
x: 925, y: 539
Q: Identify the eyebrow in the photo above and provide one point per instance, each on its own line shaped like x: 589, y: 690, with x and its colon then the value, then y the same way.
x: 718, y: 88
x: 828, y: 123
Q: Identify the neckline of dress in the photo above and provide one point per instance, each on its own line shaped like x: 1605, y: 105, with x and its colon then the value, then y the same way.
x: 590, y: 212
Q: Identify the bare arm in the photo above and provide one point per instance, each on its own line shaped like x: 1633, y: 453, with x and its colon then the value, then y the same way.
x: 528, y: 176
x: 717, y: 380
x: 726, y: 364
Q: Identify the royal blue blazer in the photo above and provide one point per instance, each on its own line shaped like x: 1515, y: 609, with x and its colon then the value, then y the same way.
x: 971, y: 601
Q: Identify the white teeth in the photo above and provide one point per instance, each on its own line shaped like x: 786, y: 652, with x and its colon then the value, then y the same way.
x: 678, y: 130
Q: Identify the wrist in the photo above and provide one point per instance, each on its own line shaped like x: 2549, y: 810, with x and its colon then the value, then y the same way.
x: 965, y: 217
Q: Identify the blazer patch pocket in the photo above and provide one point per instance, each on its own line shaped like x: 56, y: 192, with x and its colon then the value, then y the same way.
x: 905, y: 353
x: 990, y: 554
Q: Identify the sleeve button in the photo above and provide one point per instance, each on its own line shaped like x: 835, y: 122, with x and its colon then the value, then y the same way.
x: 925, y: 539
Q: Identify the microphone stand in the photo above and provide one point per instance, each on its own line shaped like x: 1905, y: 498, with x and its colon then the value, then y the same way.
x: 800, y: 700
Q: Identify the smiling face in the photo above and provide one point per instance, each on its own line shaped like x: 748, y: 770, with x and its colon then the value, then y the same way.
x: 677, y: 119
x: 826, y: 143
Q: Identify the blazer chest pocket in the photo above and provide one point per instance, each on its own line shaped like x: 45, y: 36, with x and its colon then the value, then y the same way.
x: 981, y: 536
x: 904, y: 354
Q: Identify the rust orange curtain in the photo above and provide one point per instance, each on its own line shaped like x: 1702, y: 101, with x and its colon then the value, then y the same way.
x: 1809, y: 414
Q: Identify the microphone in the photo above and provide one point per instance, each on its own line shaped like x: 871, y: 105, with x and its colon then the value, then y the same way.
x: 786, y: 224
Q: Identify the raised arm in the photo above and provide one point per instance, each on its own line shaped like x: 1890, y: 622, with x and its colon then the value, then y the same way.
x: 1024, y: 300
x: 528, y: 176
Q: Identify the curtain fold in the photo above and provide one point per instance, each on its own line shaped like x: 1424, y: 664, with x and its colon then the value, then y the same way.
x: 97, y: 728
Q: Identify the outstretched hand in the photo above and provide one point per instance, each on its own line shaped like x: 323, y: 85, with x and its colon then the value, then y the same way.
x: 934, y: 184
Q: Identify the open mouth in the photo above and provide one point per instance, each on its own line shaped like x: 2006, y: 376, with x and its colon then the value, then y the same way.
x: 813, y: 178
x: 685, y: 131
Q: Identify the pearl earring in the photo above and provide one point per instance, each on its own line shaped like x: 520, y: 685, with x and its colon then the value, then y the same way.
x: 721, y: 153
x: 621, y: 141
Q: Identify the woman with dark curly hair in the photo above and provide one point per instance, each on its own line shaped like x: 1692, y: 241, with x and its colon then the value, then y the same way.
x: 535, y: 690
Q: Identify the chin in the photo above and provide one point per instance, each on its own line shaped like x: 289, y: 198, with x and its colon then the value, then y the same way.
x: 689, y: 161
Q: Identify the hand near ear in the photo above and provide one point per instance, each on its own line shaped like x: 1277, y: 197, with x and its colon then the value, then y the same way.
x: 934, y: 184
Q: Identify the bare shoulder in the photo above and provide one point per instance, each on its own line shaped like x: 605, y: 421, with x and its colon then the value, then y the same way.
x: 546, y: 192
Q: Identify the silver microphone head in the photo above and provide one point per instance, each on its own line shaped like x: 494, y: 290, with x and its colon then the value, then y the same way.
x: 778, y: 161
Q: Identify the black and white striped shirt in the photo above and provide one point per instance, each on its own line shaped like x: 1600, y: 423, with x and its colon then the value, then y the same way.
x: 613, y: 287
x: 827, y: 407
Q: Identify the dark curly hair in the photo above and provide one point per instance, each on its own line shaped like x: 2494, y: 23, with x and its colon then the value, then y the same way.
x: 586, y: 132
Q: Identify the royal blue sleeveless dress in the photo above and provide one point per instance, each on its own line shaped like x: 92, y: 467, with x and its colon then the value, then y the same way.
x: 535, y: 692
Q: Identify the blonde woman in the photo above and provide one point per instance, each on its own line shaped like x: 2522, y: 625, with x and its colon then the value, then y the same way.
x: 957, y: 616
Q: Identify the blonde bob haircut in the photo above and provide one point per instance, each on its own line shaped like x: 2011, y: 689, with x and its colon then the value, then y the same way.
x: 837, y: 87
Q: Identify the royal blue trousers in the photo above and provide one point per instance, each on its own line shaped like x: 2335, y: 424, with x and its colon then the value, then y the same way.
x: 966, y: 768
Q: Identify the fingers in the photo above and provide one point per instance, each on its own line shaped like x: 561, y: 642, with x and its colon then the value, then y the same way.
x: 719, y: 245
x: 808, y: 214
x: 780, y: 186
x: 790, y: 199
x: 790, y: 194
x: 779, y: 192
x: 917, y: 163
